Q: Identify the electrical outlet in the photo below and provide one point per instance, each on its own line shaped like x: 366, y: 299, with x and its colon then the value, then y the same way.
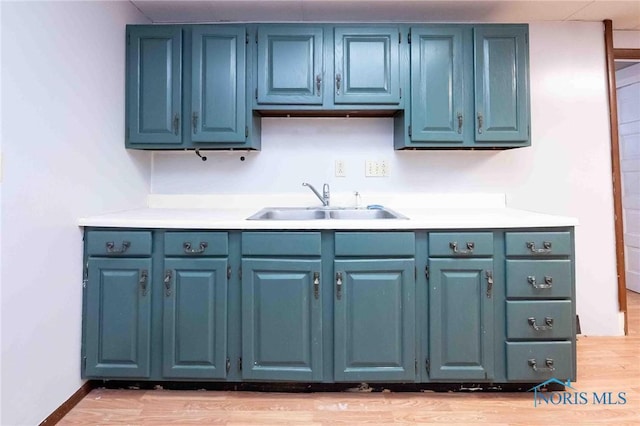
x: 341, y: 170
x: 383, y: 168
x: 375, y: 168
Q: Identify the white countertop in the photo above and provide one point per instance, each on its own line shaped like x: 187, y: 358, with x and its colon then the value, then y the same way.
x: 199, y: 212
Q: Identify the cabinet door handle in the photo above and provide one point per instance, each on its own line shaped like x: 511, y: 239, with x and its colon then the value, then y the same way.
x: 338, y: 285
x: 176, y: 124
x: 454, y: 247
x: 338, y: 81
x: 111, y: 248
x: 316, y: 285
x: 547, y: 320
x: 318, y: 84
x: 548, y: 362
x: 548, y: 282
x: 480, y: 120
x: 194, y: 122
x: 187, y: 248
x: 546, y: 247
x: 144, y: 278
x: 459, y: 123
x: 489, y: 276
x: 167, y: 282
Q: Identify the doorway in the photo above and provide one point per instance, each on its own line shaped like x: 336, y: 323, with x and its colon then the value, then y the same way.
x: 628, y: 95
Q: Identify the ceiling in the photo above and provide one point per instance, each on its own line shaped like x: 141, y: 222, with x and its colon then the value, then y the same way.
x: 624, y: 14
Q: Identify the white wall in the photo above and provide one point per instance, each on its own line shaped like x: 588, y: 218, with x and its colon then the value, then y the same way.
x: 566, y: 171
x: 626, y: 39
x: 64, y: 157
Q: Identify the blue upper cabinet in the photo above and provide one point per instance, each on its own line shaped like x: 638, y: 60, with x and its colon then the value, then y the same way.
x: 501, y: 84
x: 469, y: 88
x: 218, y: 84
x: 437, y: 84
x: 367, y: 65
x: 290, y: 65
x: 154, y: 85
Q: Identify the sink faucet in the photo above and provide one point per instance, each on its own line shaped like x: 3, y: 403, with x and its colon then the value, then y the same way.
x: 325, y: 193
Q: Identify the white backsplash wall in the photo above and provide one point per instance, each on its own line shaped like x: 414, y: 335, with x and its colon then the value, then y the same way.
x: 566, y: 171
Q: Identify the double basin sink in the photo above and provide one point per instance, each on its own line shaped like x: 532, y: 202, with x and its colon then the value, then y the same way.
x: 322, y: 213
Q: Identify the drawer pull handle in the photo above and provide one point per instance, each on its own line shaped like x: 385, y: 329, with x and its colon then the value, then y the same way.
x: 189, y: 250
x: 480, y: 120
x: 112, y: 249
x: 548, y: 362
x: 144, y: 277
x: 548, y: 282
x: 454, y: 247
x: 547, y: 320
x: 489, y: 276
x: 318, y: 84
x: 546, y: 247
x: 338, y: 285
x: 316, y: 285
x: 167, y: 282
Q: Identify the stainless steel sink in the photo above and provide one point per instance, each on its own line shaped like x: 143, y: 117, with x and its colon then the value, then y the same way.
x: 321, y: 213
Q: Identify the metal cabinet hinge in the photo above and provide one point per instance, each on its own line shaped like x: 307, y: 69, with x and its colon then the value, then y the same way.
x: 256, y: 93
x: 240, y: 363
x: 399, y: 38
x: 228, y: 365
x: 416, y: 364
x: 426, y: 272
x: 85, y: 275
x: 409, y: 131
x: 246, y: 38
x: 228, y: 272
x: 409, y: 38
x: 415, y: 273
x: 401, y: 93
x: 84, y: 363
x: 246, y: 131
x: 427, y: 366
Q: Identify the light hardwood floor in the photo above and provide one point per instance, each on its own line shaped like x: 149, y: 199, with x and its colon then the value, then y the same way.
x: 605, y: 364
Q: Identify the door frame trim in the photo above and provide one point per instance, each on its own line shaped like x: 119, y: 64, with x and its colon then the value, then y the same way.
x: 611, y: 55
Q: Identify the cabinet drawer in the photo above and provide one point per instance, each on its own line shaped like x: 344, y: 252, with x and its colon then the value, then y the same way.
x: 539, y: 278
x: 548, y: 319
x: 375, y: 244
x: 538, y: 243
x: 453, y: 244
x: 281, y: 244
x: 118, y: 243
x: 196, y: 244
x: 538, y: 361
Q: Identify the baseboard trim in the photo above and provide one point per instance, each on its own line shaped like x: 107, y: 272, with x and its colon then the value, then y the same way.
x: 66, y: 406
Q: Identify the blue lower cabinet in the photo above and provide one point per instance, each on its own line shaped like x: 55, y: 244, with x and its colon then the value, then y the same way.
x: 461, y: 319
x: 281, y: 319
x: 194, y: 293
x: 118, y: 318
x: 374, y: 320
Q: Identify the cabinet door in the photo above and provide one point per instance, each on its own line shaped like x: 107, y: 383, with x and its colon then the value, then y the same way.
x: 437, y: 104
x: 290, y: 68
x: 118, y: 318
x: 194, y: 318
x: 367, y: 66
x: 154, y: 79
x: 501, y: 84
x: 218, y: 84
x: 374, y: 320
x: 281, y: 319
x: 460, y: 319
